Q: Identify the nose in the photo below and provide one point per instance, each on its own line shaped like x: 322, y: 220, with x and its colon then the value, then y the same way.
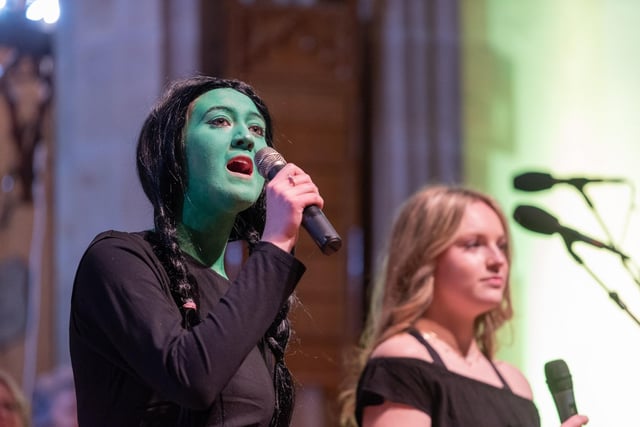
x: 243, y: 139
x: 496, y: 258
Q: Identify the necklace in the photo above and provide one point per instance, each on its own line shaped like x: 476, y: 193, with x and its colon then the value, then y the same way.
x: 470, y: 359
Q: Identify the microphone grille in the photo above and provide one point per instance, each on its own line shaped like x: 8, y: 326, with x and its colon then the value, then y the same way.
x: 533, y: 181
x: 535, y: 219
x: 558, y: 376
x: 266, y: 158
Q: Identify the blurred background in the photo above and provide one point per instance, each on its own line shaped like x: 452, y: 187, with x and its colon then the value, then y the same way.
x: 374, y: 98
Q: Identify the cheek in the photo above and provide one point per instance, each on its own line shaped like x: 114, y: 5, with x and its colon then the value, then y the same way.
x: 260, y: 143
x: 203, y: 164
x: 203, y: 149
x: 455, y: 272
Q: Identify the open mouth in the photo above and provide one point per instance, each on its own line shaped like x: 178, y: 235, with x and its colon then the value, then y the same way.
x: 241, y: 164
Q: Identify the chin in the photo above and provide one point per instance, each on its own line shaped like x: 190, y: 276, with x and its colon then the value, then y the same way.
x: 490, y: 302
x: 243, y: 205
x: 245, y: 195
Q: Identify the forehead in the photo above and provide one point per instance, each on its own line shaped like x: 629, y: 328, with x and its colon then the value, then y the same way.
x: 225, y: 97
x: 479, y: 217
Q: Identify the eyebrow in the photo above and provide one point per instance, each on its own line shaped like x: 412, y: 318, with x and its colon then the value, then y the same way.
x: 215, y: 108
x: 471, y: 233
x: 228, y: 110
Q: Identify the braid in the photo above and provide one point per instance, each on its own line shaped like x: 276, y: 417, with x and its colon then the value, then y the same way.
x: 183, y: 289
x: 277, y: 337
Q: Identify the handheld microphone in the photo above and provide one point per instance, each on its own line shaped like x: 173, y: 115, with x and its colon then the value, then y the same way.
x: 561, y: 388
x: 539, y: 221
x: 269, y: 163
x: 538, y: 181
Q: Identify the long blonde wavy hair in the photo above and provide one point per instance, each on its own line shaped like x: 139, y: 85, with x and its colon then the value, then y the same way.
x: 423, y: 229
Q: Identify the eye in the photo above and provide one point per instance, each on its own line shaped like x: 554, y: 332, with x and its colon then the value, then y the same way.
x: 472, y: 243
x: 219, y: 122
x: 257, y: 130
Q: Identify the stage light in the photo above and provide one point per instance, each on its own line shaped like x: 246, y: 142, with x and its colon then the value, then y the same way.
x: 43, y: 10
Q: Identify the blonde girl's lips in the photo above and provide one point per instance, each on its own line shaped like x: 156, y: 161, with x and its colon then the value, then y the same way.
x: 495, y: 281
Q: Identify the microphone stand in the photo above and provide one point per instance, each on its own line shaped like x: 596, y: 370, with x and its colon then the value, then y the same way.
x: 612, y: 294
x: 624, y: 258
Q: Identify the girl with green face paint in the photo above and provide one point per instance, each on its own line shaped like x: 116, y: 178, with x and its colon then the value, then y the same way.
x: 159, y: 335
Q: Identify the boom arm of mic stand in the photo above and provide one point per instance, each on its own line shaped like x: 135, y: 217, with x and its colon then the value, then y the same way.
x: 624, y: 258
x: 613, y: 295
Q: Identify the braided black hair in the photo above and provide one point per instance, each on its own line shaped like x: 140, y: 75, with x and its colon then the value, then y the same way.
x: 162, y: 172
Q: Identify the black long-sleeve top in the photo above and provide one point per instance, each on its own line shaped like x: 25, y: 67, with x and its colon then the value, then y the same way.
x: 130, y: 351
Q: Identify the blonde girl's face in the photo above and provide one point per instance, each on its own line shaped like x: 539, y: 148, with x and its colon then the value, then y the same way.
x: 471, y: 275
x: 9, y: 416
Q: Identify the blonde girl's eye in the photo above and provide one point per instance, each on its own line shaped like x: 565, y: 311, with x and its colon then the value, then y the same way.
x: 472, y: 243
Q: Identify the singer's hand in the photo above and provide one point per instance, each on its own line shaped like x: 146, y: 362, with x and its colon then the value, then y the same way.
x: 575, y: 421
x: 288, y: 193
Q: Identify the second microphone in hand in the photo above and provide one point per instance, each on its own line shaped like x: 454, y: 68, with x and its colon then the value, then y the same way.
x: 561, y: 388
x: 269, y: 162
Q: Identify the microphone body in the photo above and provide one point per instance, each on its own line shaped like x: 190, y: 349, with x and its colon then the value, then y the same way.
x: 269, y: 163
x: 538, y: 181
x: 539, y: 221
x: 561, y: 388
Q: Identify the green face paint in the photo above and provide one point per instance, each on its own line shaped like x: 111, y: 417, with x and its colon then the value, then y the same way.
x: 223, y: 133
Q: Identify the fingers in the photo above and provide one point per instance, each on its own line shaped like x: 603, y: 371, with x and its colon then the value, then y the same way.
x: 576, y: 421
x: 288, y: 193
x: 297, y: 186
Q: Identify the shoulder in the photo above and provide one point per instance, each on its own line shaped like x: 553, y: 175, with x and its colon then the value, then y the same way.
x: 515, y: 378
x: 401, y: 345
x: 110, y: 243
x: 395, y: 391
x: 118, y: 268
x: 112, y: 253
x: 119, y: 238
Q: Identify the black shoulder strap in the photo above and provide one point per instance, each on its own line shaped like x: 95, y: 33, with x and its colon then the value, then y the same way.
x: 504, y: 383
x: 437, y: 360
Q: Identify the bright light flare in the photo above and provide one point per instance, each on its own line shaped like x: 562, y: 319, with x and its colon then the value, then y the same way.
x: 43, y: 10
